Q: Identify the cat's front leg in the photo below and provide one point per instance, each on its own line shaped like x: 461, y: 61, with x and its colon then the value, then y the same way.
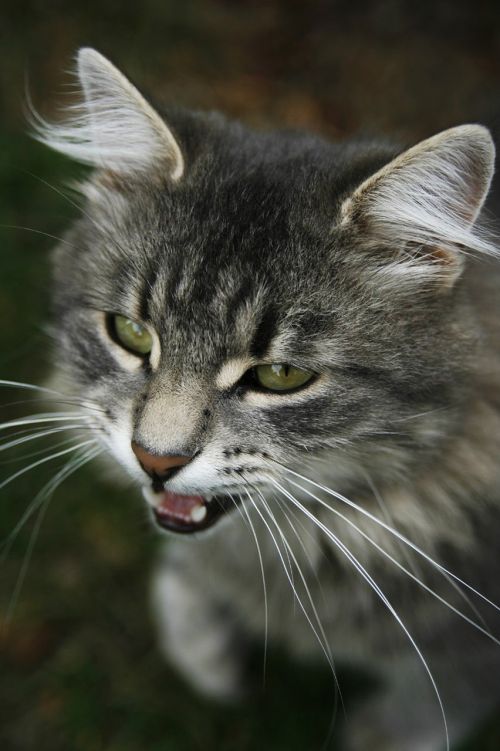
x: 197, y: 634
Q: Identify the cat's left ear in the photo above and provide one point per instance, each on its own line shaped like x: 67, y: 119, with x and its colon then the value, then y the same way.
x: 114, y: 128
x: 424, y: 204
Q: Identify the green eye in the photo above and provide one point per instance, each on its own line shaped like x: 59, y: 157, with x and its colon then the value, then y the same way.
x: 131, y: 335
x: 281, y: 377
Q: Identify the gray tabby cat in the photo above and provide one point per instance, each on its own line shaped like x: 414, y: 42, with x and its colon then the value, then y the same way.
x: 292, y: 347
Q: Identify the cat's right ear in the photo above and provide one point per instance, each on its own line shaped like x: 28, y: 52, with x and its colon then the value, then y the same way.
x: 114, y: 128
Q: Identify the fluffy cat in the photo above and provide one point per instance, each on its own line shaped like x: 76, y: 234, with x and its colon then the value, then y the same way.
x: 292, y: 347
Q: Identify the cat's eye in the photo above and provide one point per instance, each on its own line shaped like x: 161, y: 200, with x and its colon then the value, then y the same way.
x: 281, y: 377
x: 132, y: 335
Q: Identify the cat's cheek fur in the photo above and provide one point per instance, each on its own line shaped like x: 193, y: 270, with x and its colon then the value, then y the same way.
x: 119, y: 444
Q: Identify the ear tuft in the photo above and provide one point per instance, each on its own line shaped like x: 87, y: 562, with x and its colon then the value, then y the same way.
x: 114, y: 128
x: 426, y: 201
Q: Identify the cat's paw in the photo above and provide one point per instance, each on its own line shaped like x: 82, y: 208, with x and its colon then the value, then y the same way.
x: 199, y: 639
x: 221, y: 681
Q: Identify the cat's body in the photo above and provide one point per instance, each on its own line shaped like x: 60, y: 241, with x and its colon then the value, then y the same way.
x: 235, y: 249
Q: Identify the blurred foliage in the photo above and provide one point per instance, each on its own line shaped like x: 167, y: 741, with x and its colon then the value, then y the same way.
x: 339, y: 66
x: 79, y: 668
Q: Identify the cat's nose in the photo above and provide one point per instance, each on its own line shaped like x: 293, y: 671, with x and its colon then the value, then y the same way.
x: 158, y: 467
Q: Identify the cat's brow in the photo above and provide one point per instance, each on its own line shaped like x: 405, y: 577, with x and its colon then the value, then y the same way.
x: 231, y: 372
x: 265, y: 332
x: 148, y: 282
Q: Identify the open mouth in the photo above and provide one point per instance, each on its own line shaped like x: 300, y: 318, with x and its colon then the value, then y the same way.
x: 186, y: 514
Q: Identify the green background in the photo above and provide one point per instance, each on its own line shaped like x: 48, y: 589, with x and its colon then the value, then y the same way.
x: 79, y: 667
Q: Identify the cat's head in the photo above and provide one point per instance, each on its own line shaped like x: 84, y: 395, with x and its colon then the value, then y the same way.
x: 241, y: 304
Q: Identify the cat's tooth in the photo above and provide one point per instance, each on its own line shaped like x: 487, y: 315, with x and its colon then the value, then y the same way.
x: 150, y: 496
x: 198, y: 513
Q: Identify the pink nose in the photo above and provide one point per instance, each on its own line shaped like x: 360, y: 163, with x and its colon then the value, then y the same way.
x: 158, y: 465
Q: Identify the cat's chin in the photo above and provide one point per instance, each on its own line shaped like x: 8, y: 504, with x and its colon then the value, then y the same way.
x: 187, y: 514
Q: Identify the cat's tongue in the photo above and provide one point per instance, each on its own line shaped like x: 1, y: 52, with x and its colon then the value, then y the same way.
x: 175, y: 509
x: 187, y: 513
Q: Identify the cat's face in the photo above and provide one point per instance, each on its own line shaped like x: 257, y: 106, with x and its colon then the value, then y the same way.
x: 241, y: 303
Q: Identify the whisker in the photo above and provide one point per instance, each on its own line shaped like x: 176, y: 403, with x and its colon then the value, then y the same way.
x: 70, y: 398
x: 401, y: 567
x: 43, y: 461
x: 91, y: 453
x: 40, y: 434
x: 373, y: 584
x: 286, y: 542
x: 106, y: 233
x: 287, y: 512
x: 24, y: 567
x: 39, y: 232
x: 264, y: 588
x: 29, y: 387
x: 389, y: 520
x: 416, y: 570
x: 283, y: 511
x: 322, y: 640
x: 29, y: 431
x: 41, y: 452
x: 392, y: 531
x: 338, y: 693
x: 421, y: 414
x: 41, y: 501
x: 280, y: 532
x: 44, y: 417
x: 71, y: 401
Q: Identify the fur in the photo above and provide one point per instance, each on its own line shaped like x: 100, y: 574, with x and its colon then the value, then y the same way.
x: 364, y: 264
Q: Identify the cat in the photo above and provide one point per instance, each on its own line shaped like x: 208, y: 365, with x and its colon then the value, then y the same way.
x: 292, y: 346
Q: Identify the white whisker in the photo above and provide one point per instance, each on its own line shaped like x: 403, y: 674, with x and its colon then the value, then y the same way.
x: 421, y: 414
x: 322, y: 640
x: 39, y: 232
x: 401, y: 567
x: 411, y: 562
x: 389, y: 520
x: 41, y: 452
x: 393, y: 532
x: 43, y: 461
x: 40, y: 434
x: 286, y: 512
x: 44, y: 417
x: 80, y: 208
x: 91, y: 453
x: 373, y: 584
x: 280, y: 532
x: 264, y: 587
x: 287, y: 516
x: 41, y: 501
x: 29, y: 386
x: 65, y: 398
x: 338, y: 693
x: 68, y: 400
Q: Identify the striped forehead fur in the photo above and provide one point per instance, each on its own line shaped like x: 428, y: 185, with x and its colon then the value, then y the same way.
x: 113, y: 128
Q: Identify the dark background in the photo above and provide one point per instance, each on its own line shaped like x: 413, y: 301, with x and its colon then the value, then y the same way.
x: 78, y: 665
